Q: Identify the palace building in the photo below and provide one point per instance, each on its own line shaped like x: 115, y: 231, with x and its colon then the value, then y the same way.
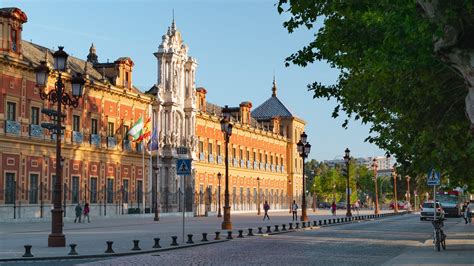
x: 102, y: 167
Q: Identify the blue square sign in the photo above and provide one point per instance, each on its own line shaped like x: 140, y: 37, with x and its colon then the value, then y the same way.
x: 183, y: 167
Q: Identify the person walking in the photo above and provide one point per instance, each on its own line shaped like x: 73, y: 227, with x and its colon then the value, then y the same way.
x: 357, y: 206
x: 294, y: 208
x: 78, y: 210
x: 333, y: 208
x: 467, y: 213
x: 86, y: 213
x: 266, y: 207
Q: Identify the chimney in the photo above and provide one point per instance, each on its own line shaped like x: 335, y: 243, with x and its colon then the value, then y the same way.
x: 244, y: 115
x: 201, y: 96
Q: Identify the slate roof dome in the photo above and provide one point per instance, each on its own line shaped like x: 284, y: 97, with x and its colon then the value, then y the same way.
x: 272, y: 107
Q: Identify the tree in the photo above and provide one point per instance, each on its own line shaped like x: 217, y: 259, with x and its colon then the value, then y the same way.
x: 391, y: 78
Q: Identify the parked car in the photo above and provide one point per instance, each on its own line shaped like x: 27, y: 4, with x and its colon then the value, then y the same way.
x: 341, y: 205
x: 401, y: 205
x: 324, y: 205
x: 427, y: 210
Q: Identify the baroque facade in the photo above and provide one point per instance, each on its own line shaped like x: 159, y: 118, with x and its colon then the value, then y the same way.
x: 102, y: 167
x: 262, y: 148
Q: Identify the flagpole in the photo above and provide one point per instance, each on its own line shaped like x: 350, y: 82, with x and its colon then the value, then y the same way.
x: 143, y: 176
x: 156, y: 179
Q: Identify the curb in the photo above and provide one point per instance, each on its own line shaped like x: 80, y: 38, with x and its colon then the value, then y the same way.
x: 108, y: 255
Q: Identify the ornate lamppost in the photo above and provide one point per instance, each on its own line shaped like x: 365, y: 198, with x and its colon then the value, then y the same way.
x: 304, y: 149
x: 226, y: 128
x: 347, y: 160
x: 288, y: 195
x: 61, y: 97
x: 154, y: 193
x: 394, y: 174
x: 258, y: 195
x: 219, y: 176
x: 375, y: 166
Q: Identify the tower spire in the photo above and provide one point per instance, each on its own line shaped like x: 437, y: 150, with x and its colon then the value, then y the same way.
x: 274, y: 87
x: 173, y: 25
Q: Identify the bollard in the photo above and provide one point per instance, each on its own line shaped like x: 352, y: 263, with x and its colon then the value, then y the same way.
x: 73, y: 250
x: 303, y: 225
x: 276, y: 228
x: 157, y: 243
x: 217, y: 236
x: 334, y: 221
x: 260, y: 230
x: 320, y: 222
x: 135, y: 245
x: 325, y: 222
x: 315, y: 223
x: 229, y: 235
x: 175, y: 241
x: 338, y: 220
x: 297, y: 226
x: 329, y: 221
x: 204, y: 237
x: 291, y: 226
x: 250, y: 232
x: 27, y: 252
x: 283, y: 227
x: 109, y: 247
x: 190, y: 239
x: 269, y: 230
x: 241, y: 234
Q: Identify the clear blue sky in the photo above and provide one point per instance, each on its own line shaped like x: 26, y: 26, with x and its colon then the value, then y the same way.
x: 238, y: 45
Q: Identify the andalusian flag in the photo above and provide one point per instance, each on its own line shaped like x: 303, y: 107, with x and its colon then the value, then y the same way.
x: 136, y: 131
x: 146, y: 131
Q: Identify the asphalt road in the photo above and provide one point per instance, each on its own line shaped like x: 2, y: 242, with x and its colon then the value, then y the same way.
x: 364, y: 243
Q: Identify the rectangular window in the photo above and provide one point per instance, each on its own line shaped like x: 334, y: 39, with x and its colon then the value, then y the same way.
x: 241, y: 153
x: 34, y: 115
x: 110, y: 129
x: 233, y: 153
x: 33, y: 197
x: 201, y: 146
x: 266, y: 158
x: 260, y: 157
x: 139, y: 191
x: 110, y: 190
x: 94, y: 126
x: 254, y: 156
x: 209, y: 148
x: 125, y: 131
x: 75, y: 123
x: 219, y: 150
x: 11, y: 111
x: 75, y: 189
x: 10, y: 185
x: 14, y: 40
x: 248, y: 155
x: 281, y: 161
x: 93, y: 189
x: 125, y: 191
x: 271, y: 159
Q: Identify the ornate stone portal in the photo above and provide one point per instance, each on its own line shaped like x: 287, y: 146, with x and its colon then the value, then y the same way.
x: 174, y: 114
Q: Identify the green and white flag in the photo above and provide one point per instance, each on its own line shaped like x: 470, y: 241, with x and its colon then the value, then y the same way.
x: 136, y: 130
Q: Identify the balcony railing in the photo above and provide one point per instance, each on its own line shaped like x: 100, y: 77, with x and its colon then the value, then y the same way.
x: 202, y: 157
x: 219, y: 159
x: 111, y: 142
x: 242, y: 163
x: 36, y: 131
x: 77, y: 137
x: 127, y: 146
x: 249, y: 164
x: 12, y: 127
x: 255, y: 165
x: 211, y: 158
x: 235, y: 162
x: 95, y: 140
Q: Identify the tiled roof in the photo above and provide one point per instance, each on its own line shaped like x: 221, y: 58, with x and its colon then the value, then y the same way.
x: 271, y: 108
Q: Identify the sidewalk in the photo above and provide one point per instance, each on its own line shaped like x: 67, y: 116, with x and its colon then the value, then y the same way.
x: 459, y: 248
x: 91, y: 237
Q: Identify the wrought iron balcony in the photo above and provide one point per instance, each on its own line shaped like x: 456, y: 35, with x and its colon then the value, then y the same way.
x: 202, y: 157
x: 36, y: 131
x: 77, y: 137
x: 127, y: 146
x: 211, y: 158
x: 249, y: 164
x: 111, y: 142
x: 12, y: 127
x: 219, y: 159
x: 95, y: 140
x: 242, y: 163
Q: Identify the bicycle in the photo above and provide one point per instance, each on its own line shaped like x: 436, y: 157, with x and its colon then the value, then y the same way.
x: 439, y: 238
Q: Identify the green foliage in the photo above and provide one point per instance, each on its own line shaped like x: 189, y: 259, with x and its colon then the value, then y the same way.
x: 390, y: 78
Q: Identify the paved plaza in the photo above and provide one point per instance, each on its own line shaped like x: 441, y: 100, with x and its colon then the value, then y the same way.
x: 91, y: 237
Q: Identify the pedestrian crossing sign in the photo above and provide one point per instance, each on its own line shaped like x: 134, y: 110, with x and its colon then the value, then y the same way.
x: 433, y: 177
x: 183, y: 167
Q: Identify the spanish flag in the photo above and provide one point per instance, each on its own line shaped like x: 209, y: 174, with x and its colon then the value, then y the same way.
x: 146, y: 131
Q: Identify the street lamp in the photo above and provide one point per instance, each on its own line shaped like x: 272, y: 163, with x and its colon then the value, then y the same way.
x: 219, y: 176
x: 61, y: 97
x: 347, y: 159
x: 258, y: 195
x: 304, y: 149
x: 375, y: 165
x: 288, y: 194
x: 408, y: 192
x: 394, y: 174
x: 226, y: 128
x: 155, y: 202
